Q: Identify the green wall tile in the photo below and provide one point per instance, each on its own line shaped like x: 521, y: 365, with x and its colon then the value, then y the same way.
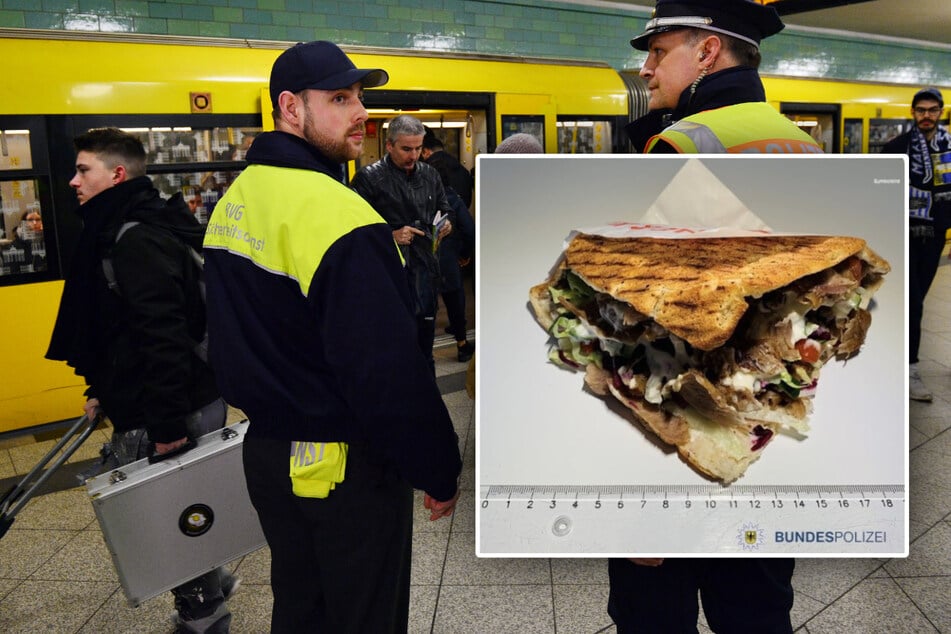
x: 132, y: 8
x: 214, y: 29
x: 156, y: 26
x: 61, y: 6
x: 198, y: 13
x: 228, y: 14
x: 18, y: 5
x: 99, y: 7
x: 15, y: 19
x: 183, y: 27
x: 35, y: 20
x: 165, y: 10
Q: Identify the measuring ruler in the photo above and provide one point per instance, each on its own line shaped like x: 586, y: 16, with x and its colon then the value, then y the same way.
x: 710, y: 520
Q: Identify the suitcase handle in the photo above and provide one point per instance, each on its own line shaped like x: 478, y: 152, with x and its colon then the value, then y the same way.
x: 159, y: 457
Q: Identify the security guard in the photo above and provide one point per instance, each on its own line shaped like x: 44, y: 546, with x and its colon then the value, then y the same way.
x: 706, y: 95
x: 701, y: 72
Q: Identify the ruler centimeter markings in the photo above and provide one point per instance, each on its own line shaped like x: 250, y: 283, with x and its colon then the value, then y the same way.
x: 799, y: 520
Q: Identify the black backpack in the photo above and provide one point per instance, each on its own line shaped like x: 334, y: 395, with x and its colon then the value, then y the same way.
x: 108, y: 269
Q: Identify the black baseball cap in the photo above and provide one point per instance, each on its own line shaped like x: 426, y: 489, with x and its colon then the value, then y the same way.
x: 322, y: 66
x: 928, y: 93
x: 743, y: 19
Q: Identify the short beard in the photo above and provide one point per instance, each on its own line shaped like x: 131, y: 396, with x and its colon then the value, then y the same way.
x: 337, y: 150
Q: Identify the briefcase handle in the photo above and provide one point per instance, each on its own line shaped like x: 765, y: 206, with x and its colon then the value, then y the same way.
x: 159, y: 457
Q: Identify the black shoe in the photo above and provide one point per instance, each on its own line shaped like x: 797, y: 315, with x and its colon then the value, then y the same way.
x: 465, y: 351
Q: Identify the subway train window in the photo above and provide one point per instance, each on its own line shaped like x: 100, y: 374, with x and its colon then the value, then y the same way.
x: 190, y: 145
x: 528, y: 124
x: 15, y: 150
x: 584, y: 137
x: 22, y: 245
x: 201, y: 190
x: 197, y: 150
x: 881, y: 131
x: 852, y: 141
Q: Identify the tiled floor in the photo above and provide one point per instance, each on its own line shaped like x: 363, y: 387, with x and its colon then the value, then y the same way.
x: 55, y: 574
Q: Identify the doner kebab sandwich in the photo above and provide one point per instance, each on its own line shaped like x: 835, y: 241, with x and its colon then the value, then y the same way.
x: 714, y: 344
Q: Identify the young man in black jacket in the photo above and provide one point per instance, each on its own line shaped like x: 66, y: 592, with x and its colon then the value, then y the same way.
x: 133, y: 338
x: 928, y: 146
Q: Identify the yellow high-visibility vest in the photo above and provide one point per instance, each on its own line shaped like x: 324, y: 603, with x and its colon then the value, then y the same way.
x: 753, y: 127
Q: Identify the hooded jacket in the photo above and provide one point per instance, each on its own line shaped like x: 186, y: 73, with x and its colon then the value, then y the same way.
x: 310, y: 322
x: 134, y: 346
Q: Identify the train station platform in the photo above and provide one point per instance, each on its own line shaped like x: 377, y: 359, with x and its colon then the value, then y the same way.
x: 56, y: 575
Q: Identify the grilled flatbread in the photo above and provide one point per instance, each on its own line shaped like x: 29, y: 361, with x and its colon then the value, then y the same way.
x: 714, y: 344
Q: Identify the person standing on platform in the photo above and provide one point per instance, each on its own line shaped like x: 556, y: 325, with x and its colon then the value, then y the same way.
x: 928, y: 146
x: 458, y: 246
x: 134, y: 334
x: 312, y: 334
x: 706, y: 96
x: 409, y: 195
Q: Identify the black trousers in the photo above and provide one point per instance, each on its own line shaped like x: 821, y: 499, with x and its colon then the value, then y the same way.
x: 924, y: 255
x: 741, y: 596
x: 339, y: 564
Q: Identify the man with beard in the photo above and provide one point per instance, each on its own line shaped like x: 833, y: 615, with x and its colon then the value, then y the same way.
x: 409, y: 194
x: 312, y: 334
x: 928, y: 147
x: 706, y: 96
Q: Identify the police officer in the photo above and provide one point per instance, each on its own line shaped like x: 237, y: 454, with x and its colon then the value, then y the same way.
x: 705, y: 92
x: 706, y: 96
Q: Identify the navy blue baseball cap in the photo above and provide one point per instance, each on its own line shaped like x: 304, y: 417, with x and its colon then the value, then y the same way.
x: 322, y: 66
x: 928, y: 93
x: 743, y: 19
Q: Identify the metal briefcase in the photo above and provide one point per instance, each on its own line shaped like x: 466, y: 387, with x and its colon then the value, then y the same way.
x: 169, y: 522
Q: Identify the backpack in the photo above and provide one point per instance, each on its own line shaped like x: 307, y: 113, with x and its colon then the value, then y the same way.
x: 108, y: 269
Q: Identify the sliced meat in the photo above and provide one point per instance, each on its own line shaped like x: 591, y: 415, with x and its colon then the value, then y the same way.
x: 853, y: 335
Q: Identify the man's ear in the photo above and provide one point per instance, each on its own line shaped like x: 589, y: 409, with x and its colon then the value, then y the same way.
x: 289, y: 105
x: 119, y: 174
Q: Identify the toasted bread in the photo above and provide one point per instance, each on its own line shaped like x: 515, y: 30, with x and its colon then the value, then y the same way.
x: 698, y: 289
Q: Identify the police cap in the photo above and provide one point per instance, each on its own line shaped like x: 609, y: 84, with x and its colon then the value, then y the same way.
x: 743, y: 19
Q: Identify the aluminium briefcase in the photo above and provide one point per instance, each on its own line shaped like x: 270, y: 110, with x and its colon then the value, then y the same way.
x: 169, y: 522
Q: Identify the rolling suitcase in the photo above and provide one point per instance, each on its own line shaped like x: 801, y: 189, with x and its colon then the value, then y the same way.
x: 17, y: 496
x: 168, y: 522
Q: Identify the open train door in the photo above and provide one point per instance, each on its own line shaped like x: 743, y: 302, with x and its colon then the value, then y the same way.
x: 821, y: 121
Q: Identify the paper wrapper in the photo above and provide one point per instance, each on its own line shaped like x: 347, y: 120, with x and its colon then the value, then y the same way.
x: 695, y: 204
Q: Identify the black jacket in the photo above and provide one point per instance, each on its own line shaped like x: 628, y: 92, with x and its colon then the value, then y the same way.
x: 453, y: 174
x: 135, y: 346
x: 320, y: 343
x: 409, y: 200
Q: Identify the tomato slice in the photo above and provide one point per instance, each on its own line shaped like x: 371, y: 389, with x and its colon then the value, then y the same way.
x: 809, y: 350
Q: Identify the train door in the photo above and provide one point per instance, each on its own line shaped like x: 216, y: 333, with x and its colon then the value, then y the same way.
x: 464, y: 122
x: 821, y: 121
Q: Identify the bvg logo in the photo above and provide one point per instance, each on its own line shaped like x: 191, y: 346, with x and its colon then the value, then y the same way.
x: 750, y: 536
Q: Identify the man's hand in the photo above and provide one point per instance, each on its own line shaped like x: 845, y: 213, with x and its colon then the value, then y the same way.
x: 404, y: 235
x: 445, y: 230
x: 439, y: 509
x: 91, y: 407
x: 166, y: 447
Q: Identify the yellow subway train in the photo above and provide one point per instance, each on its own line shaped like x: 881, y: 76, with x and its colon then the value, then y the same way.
x: 197, y: 103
